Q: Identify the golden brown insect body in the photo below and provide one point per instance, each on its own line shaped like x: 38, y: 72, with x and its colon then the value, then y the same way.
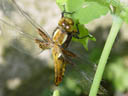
x: 60, y: 40
x: 63, y: 33
x: 62, y: 37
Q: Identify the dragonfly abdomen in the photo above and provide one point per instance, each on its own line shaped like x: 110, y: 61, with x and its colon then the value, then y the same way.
x: 59, y: 64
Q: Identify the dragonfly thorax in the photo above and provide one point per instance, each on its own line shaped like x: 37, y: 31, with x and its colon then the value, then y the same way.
x: 66, y: 24
x: 63, y: 33
x: 60, y: 37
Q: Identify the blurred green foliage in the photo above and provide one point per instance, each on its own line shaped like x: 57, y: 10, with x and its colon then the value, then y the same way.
x: 117, y: 73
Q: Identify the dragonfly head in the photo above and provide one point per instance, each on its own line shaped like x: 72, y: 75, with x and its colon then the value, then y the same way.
x: 66, y: 24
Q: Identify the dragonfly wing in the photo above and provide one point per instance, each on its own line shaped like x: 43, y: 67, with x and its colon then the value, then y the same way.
x: 14, y: 13
x: 68, y: 53
x: 80, y: 69
x: 18, y: 39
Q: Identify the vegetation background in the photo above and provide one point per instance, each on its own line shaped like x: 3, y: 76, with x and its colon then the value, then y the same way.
x: 24, y: 75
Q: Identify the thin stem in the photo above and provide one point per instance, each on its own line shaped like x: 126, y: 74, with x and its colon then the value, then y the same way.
x: 117, y: 22
x: 56, y: 92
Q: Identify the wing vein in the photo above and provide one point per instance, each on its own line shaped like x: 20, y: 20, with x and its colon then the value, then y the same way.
x: 37, y: 26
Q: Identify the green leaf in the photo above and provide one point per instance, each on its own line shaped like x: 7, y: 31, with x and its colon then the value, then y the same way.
x: 61, y: 2
x: 91, y: 11
x: 70, y: 5
x: 74, y: 5
x: 115, y: 3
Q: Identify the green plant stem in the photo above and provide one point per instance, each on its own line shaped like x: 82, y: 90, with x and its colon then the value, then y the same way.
x: 56, y: 92
x: 117, y: 22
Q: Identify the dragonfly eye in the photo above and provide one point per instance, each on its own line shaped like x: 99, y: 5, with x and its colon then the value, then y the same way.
x: 63, y: 24
x: 67, y: 27
x: 66, y: 24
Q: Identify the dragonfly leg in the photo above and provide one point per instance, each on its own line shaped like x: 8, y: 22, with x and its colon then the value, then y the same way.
x: 43, y: 45
x: 76, y: 36
x: 68, y: 53
x: 78, y: 32
x: 64, y: 12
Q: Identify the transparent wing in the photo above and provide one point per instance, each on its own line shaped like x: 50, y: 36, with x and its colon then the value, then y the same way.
x: 82, y: 70
x: 18, y: 39
x: 19, y: 28
x: 14, y: 13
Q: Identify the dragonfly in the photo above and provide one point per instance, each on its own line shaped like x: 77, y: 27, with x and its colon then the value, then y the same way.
x: 59, y: 41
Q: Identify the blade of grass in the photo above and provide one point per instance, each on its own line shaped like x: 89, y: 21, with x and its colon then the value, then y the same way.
x: 117, y: 22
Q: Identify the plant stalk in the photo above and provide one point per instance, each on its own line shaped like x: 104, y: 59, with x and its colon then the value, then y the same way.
x: 117, y: 22
x: 56, y: 92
